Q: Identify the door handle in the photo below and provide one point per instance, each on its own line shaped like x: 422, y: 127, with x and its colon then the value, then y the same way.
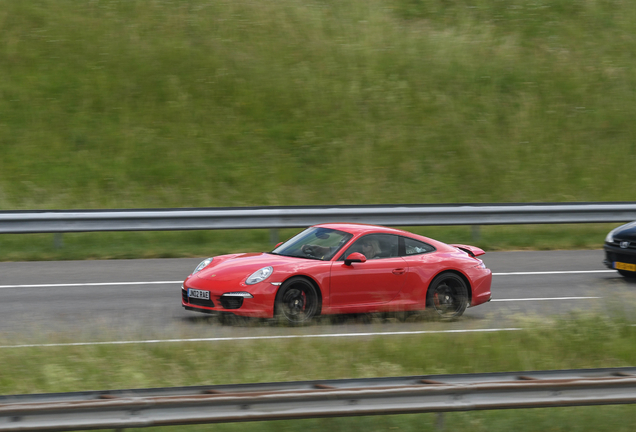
x: 398, y: 271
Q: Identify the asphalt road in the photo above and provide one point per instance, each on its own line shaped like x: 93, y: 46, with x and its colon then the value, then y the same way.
x: 140, y: 299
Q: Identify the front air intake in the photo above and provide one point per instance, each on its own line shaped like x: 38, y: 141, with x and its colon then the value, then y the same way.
x: 231, y: 302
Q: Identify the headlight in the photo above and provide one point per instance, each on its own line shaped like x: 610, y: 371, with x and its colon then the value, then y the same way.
x: 202, y: 265
x: 259, y: 275
x: 610, y: 237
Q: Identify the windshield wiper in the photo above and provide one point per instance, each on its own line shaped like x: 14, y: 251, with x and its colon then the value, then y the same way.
x: 295, y: 256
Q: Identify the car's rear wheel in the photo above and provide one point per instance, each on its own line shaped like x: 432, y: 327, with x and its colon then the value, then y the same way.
x: 447, y: 296
x: 627, y: 274
x: 297, y: 301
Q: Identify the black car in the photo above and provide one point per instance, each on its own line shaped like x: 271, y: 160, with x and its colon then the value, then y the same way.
x: 620, y: 249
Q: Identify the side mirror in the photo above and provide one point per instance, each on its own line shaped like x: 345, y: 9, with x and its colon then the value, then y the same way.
x: 278, y: 244
x: 355, y: 257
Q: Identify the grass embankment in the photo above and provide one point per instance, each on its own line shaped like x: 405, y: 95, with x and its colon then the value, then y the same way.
x: 578, y: 341
x: 109, y: 104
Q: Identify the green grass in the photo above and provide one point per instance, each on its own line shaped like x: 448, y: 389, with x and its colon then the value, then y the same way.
x: 112, y: 104
x: 574, y: 341
x: 194, y: 103
x: 179, y: 244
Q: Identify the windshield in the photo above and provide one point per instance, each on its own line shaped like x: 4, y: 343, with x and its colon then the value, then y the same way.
x: 314, y: 243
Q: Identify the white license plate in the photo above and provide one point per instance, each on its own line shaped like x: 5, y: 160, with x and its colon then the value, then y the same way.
x: 200, y: 294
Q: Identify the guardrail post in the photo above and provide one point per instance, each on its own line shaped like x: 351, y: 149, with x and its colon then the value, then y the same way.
x: 475, y: 232
x: 440, y: 421
x: 273, y: 236
x: 58, y: 241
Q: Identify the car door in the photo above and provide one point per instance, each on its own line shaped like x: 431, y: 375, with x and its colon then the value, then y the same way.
x: 376, y: 281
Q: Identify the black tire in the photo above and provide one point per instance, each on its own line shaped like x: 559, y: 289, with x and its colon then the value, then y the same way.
x: 447, y: 296
x: 297, y: 301
x: 627, y: 274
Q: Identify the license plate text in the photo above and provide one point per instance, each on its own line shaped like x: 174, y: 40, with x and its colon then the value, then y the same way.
x: 200, y: 294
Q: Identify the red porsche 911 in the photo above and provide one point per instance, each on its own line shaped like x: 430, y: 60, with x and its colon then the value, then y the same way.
x: 342, y: 268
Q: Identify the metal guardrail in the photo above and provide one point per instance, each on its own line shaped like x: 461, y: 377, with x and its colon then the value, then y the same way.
x: 311, y: 399
x: 66, y: 221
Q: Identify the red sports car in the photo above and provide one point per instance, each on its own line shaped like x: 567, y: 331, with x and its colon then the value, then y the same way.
x: 341, y: 268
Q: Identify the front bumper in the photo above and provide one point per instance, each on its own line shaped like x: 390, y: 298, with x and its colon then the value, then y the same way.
x: 615, y: 254
x: 260, y: 305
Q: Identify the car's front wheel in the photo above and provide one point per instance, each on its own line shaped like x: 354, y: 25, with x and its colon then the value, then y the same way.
x: 448, y: 296
x: 297, y: 301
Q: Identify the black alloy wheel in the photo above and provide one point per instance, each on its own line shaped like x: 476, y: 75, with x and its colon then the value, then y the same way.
x: 448, y: 296
x: 297, y: 301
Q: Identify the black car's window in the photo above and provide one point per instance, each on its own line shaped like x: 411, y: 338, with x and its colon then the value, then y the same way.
x: 416, y: 247
x: 314, y: 243
x: 374, y: 246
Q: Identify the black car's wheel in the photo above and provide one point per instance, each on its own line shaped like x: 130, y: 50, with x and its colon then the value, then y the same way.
x: 297, y: 301
x: 627, y: 274
x: 448, y: 296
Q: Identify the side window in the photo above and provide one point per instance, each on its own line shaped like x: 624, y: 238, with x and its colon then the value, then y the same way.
x: 416, y: 247
x: 375, y: 246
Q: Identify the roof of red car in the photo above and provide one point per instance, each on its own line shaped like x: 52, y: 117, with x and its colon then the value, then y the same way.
x: 355, y: 228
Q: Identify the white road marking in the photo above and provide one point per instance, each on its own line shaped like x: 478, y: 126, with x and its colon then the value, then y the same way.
x: 544, y: 298
x: 552, y: 272
x: 224, y: 339
x: 89, y: 284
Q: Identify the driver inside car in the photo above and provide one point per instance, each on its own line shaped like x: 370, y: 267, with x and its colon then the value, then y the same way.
x: 371, y: 248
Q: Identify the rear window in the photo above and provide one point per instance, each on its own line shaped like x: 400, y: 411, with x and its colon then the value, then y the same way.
x: 416, y: 247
